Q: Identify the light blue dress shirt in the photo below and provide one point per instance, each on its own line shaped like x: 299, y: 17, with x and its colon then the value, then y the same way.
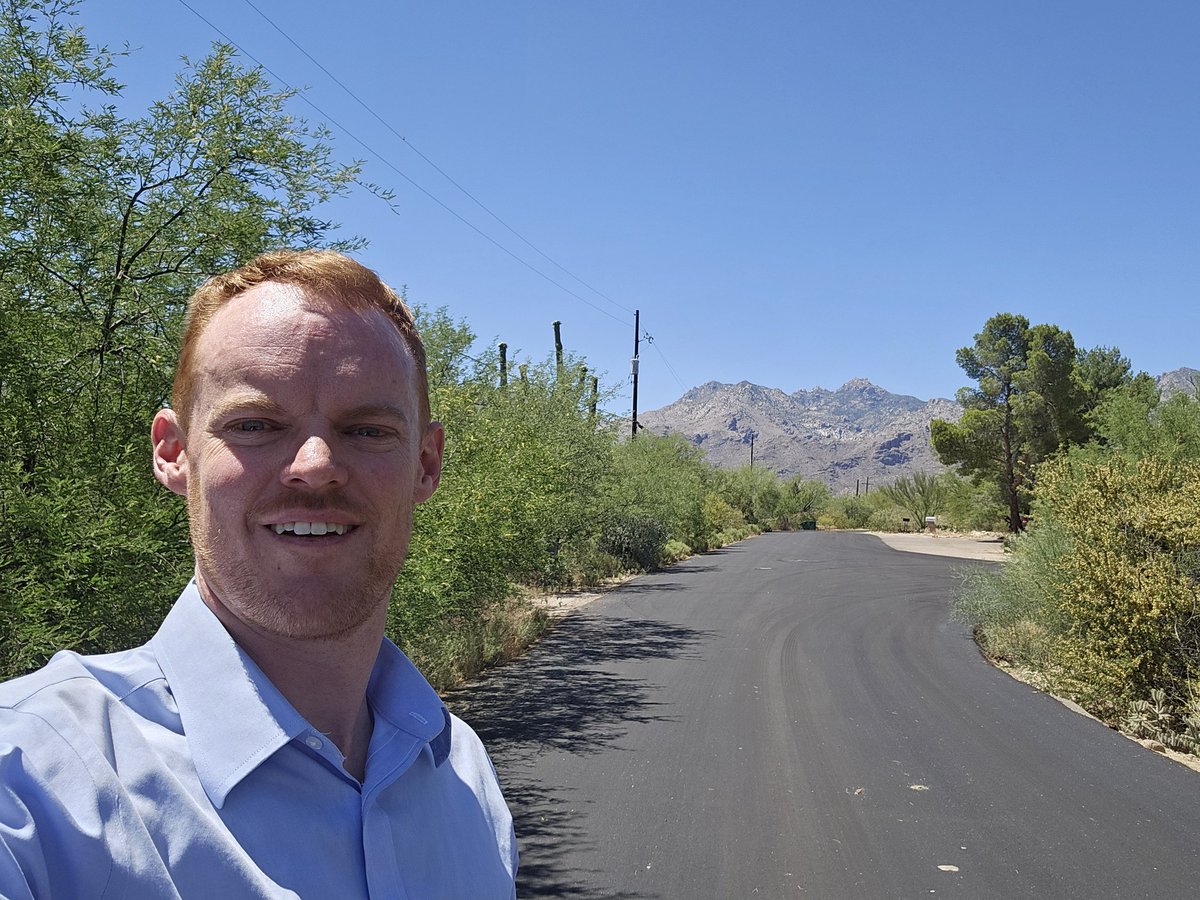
x: 178, y: 770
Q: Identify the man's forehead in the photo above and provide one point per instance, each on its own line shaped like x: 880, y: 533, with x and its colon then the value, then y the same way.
x: 282, y: 314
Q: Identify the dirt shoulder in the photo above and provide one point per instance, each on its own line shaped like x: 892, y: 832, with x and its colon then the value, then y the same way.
x: 985, y: 545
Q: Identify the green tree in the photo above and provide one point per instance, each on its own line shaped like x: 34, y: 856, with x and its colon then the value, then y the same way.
x: 920, y: 494
x: 109, y: 224
x: 1033, y: 396
x: 802, y: 501
x: 664, y: 479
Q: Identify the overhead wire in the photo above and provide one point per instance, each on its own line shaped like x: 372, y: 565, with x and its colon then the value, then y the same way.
x: 649, y: 339
x: 378, y: 156
x: 429, y: 161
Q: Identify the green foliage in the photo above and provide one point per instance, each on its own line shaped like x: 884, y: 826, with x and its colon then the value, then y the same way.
x: 800, y: 501
x: 720, y: 515
x: 1034, y: 396
x: 1133, y: 577
x: 847, y: 511
x: 637, y: 540
x: 109, y: 223
x: 674, y: 551
x: 972, y: 507
x: 517, y: 502
x: 1016, y: 610
x: 1100, y: 597
x: 660, y: 478
x: 920, y: 494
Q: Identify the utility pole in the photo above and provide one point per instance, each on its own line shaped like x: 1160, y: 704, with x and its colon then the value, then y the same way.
x: 558, y: 351
x: 752, y: 436
x: 503, y: 364
x: 595, y: 394
x: 637, y: 324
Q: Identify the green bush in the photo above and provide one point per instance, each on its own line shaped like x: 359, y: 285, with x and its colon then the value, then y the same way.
x: 636, y: 540
x: 1016, y: 610
x: 1133, y: 576
x: 847, y: 511
x: 1099, y: 597
x: 674, y: 551
x: 891, y: 518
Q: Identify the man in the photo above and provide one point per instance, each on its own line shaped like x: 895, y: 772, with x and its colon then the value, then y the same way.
x: 268, y: 741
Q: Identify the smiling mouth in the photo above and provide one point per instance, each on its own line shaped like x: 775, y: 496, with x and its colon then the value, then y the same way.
x: 310, y: 528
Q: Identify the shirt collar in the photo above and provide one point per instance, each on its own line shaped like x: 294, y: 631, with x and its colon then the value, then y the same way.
x: 234, y: 718
x: 399, y: 694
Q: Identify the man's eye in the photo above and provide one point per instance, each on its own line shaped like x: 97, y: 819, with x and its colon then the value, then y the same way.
x: 367, y: 431
x: 250, y: 425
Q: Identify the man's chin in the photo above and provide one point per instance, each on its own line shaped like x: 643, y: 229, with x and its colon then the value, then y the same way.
x: 309, y: 610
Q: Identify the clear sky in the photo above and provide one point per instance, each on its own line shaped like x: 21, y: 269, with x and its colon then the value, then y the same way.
x: 792, y: 192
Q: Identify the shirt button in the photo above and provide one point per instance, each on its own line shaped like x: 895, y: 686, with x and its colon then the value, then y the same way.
x: 313, y: 741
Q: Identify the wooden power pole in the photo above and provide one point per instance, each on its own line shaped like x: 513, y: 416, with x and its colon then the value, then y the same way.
x: 637, y: 322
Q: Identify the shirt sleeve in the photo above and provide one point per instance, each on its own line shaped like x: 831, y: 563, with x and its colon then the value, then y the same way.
x: 52, y: 827
x: 22, y: 864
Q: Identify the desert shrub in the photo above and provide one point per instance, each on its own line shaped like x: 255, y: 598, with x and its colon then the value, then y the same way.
x: 719, y: 515
x: 597, y: 567
x: 972, y: 507
x: 674, y: 551
x: 847, y: 511
x: 660, y: 478
x: 801, y: 501
x: 891, y: 518
x: 755, y: 492
x: 1133, y: 576
x: 732, y: 535
x: 920, y: 494
x: 1016, y: 610
x: 1100, y: 595
x: 637, y: 540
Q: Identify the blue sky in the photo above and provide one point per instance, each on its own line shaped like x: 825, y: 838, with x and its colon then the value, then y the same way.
x: 792, y: 193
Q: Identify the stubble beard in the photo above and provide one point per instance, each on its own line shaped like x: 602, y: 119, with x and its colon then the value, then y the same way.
x: 245, y: 590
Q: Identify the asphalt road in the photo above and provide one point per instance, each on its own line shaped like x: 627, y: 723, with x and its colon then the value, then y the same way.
x: 798, y: 716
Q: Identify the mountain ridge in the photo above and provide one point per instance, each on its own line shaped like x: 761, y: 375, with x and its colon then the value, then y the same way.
x: 858, y: 434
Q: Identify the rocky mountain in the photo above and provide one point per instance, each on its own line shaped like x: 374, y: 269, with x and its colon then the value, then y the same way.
x: 856, y: 433
x: 1179, y: 380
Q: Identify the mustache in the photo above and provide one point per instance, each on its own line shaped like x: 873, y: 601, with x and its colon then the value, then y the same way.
x: 275, y: 507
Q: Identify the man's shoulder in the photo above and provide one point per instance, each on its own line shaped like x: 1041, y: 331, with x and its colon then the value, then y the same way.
x: 77, y: 690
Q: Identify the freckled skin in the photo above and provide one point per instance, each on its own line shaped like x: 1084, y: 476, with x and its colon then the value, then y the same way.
x: 303, y: 411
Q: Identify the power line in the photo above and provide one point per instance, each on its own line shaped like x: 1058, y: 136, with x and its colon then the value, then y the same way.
x: 378, y: 156
x: 649, y: 339
x: 434, y: 165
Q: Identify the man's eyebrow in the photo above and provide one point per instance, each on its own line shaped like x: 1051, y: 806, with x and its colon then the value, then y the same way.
x: 376, y: 411
x: 244, y: 403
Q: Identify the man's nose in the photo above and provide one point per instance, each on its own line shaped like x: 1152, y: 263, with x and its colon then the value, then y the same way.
x: 315, y: 465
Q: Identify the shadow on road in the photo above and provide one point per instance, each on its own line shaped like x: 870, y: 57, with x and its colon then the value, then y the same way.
x: 564, y: 698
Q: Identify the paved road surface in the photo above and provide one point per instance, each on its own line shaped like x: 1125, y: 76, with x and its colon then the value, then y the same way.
x: 797, y: 716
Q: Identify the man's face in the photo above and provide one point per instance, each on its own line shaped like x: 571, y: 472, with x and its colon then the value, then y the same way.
x: 303, y: 460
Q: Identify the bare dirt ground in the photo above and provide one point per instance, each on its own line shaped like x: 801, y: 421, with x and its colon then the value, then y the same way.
x: 987, y: 545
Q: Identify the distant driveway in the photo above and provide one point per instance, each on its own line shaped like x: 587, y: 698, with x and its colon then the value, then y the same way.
x: 798, y: 716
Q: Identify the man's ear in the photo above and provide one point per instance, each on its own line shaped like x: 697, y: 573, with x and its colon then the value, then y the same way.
x: 170, y: 451
x: 433, y: 444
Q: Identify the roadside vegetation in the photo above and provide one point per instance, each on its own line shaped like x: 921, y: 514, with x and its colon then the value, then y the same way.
x: 110, y: 222
x: 1099, y: 599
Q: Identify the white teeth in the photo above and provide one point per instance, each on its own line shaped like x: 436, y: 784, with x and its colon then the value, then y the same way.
x: 317, y: 528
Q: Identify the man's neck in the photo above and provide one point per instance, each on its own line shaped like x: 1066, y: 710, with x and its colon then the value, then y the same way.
x: 325, y: 680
